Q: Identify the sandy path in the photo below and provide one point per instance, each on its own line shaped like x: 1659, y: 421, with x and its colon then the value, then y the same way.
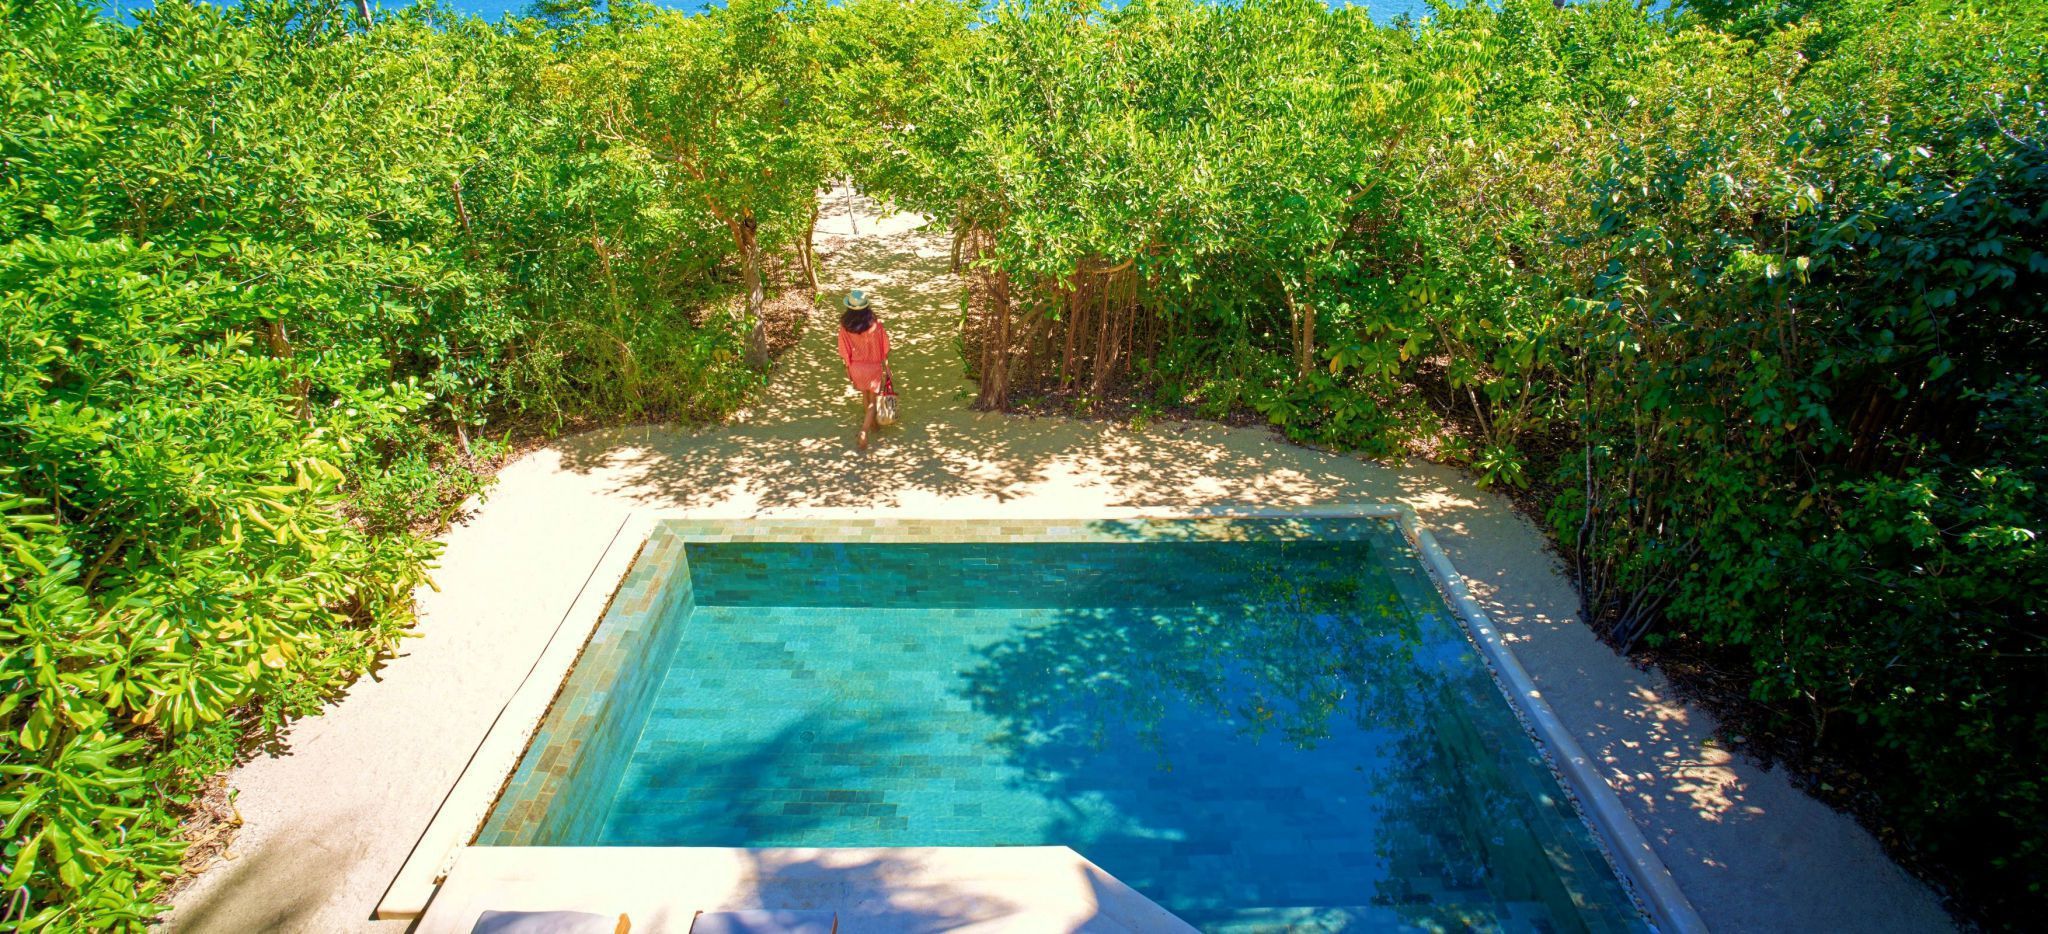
x: 329, y: 821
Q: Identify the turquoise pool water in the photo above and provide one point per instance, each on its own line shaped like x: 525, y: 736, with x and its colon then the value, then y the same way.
x: 1259, y: 734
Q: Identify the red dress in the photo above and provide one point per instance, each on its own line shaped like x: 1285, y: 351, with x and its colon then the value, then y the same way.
x: 865, y: 353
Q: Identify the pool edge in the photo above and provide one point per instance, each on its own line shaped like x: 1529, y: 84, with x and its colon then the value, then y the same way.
x: 1640, y: 866
x: 468, y: 803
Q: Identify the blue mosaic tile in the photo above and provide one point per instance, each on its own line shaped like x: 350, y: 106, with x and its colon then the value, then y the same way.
x: 1261, y: 724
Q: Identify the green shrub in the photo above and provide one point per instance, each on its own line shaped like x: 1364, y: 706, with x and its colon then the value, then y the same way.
x: 1751, y: 293
x: 266, y: 277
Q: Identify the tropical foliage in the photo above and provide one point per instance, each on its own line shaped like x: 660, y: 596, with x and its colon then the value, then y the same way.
x: 1746, y: 297
x: 269, y: 280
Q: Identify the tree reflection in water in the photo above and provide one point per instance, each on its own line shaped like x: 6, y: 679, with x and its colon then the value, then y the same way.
x: 1296, y: 733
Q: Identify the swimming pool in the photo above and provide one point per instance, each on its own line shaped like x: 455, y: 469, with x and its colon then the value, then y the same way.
x: 1259, y: 723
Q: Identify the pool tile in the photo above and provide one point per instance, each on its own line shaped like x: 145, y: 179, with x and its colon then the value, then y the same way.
x: 1260, y: 736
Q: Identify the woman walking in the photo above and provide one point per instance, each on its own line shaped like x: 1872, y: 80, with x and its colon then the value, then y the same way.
x: 864, y: 345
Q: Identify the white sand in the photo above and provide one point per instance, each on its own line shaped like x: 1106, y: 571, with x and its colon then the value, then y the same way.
x: 329, y: 821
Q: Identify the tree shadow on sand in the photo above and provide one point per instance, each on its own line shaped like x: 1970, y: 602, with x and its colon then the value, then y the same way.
x: 794, y: 448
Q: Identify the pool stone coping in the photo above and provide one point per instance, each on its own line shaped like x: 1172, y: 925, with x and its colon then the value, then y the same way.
x: 468, y: 803
x: 1639, y: 867
x: 495, y: 765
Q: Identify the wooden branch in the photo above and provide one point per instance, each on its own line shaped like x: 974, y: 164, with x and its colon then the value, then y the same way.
x: 461, y: 208
x: 92, y: 575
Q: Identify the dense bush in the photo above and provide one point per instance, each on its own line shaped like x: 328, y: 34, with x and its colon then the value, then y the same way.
x: 268, y: 280
x: 1752, y: 295
x: 1749, y: 294
x: 1821, y: 447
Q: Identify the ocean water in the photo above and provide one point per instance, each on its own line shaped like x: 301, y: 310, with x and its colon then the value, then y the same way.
x: 1259, y: 735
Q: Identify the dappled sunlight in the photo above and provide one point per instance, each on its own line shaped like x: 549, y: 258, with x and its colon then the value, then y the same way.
x: 1431, y: 502
x: 1662, y: 761
x: 1659, y: 708
x: 795, y: 445
x: 1708, y: 783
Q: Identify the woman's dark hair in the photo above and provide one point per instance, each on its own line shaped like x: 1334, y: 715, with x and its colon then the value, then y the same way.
x: 857, y: 320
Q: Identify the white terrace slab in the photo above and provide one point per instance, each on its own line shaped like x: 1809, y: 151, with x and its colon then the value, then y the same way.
x: 1040, y: 889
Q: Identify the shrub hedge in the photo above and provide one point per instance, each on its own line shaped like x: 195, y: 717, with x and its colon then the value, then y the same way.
x: 1749, y: 295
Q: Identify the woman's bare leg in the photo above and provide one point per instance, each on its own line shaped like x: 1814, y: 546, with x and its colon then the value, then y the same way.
x: 867, y: 421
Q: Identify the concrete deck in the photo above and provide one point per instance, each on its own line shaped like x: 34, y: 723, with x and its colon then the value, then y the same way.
x: 330, y: 819
x: 897, y: 890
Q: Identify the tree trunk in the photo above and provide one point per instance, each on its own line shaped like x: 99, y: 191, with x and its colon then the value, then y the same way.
x: 745, y: 234
x: 1301, y: 326
x: 363, y: 10
x: 462, y: 214
x: 1071, y: 319
x: 810, y: 255
x: 1106, y: 331
x: 995, y: 354
x: 1308, y: 338
x: 281, y: 348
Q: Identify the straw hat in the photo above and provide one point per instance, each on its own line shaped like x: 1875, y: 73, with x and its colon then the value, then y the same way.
x: 856, y: 300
